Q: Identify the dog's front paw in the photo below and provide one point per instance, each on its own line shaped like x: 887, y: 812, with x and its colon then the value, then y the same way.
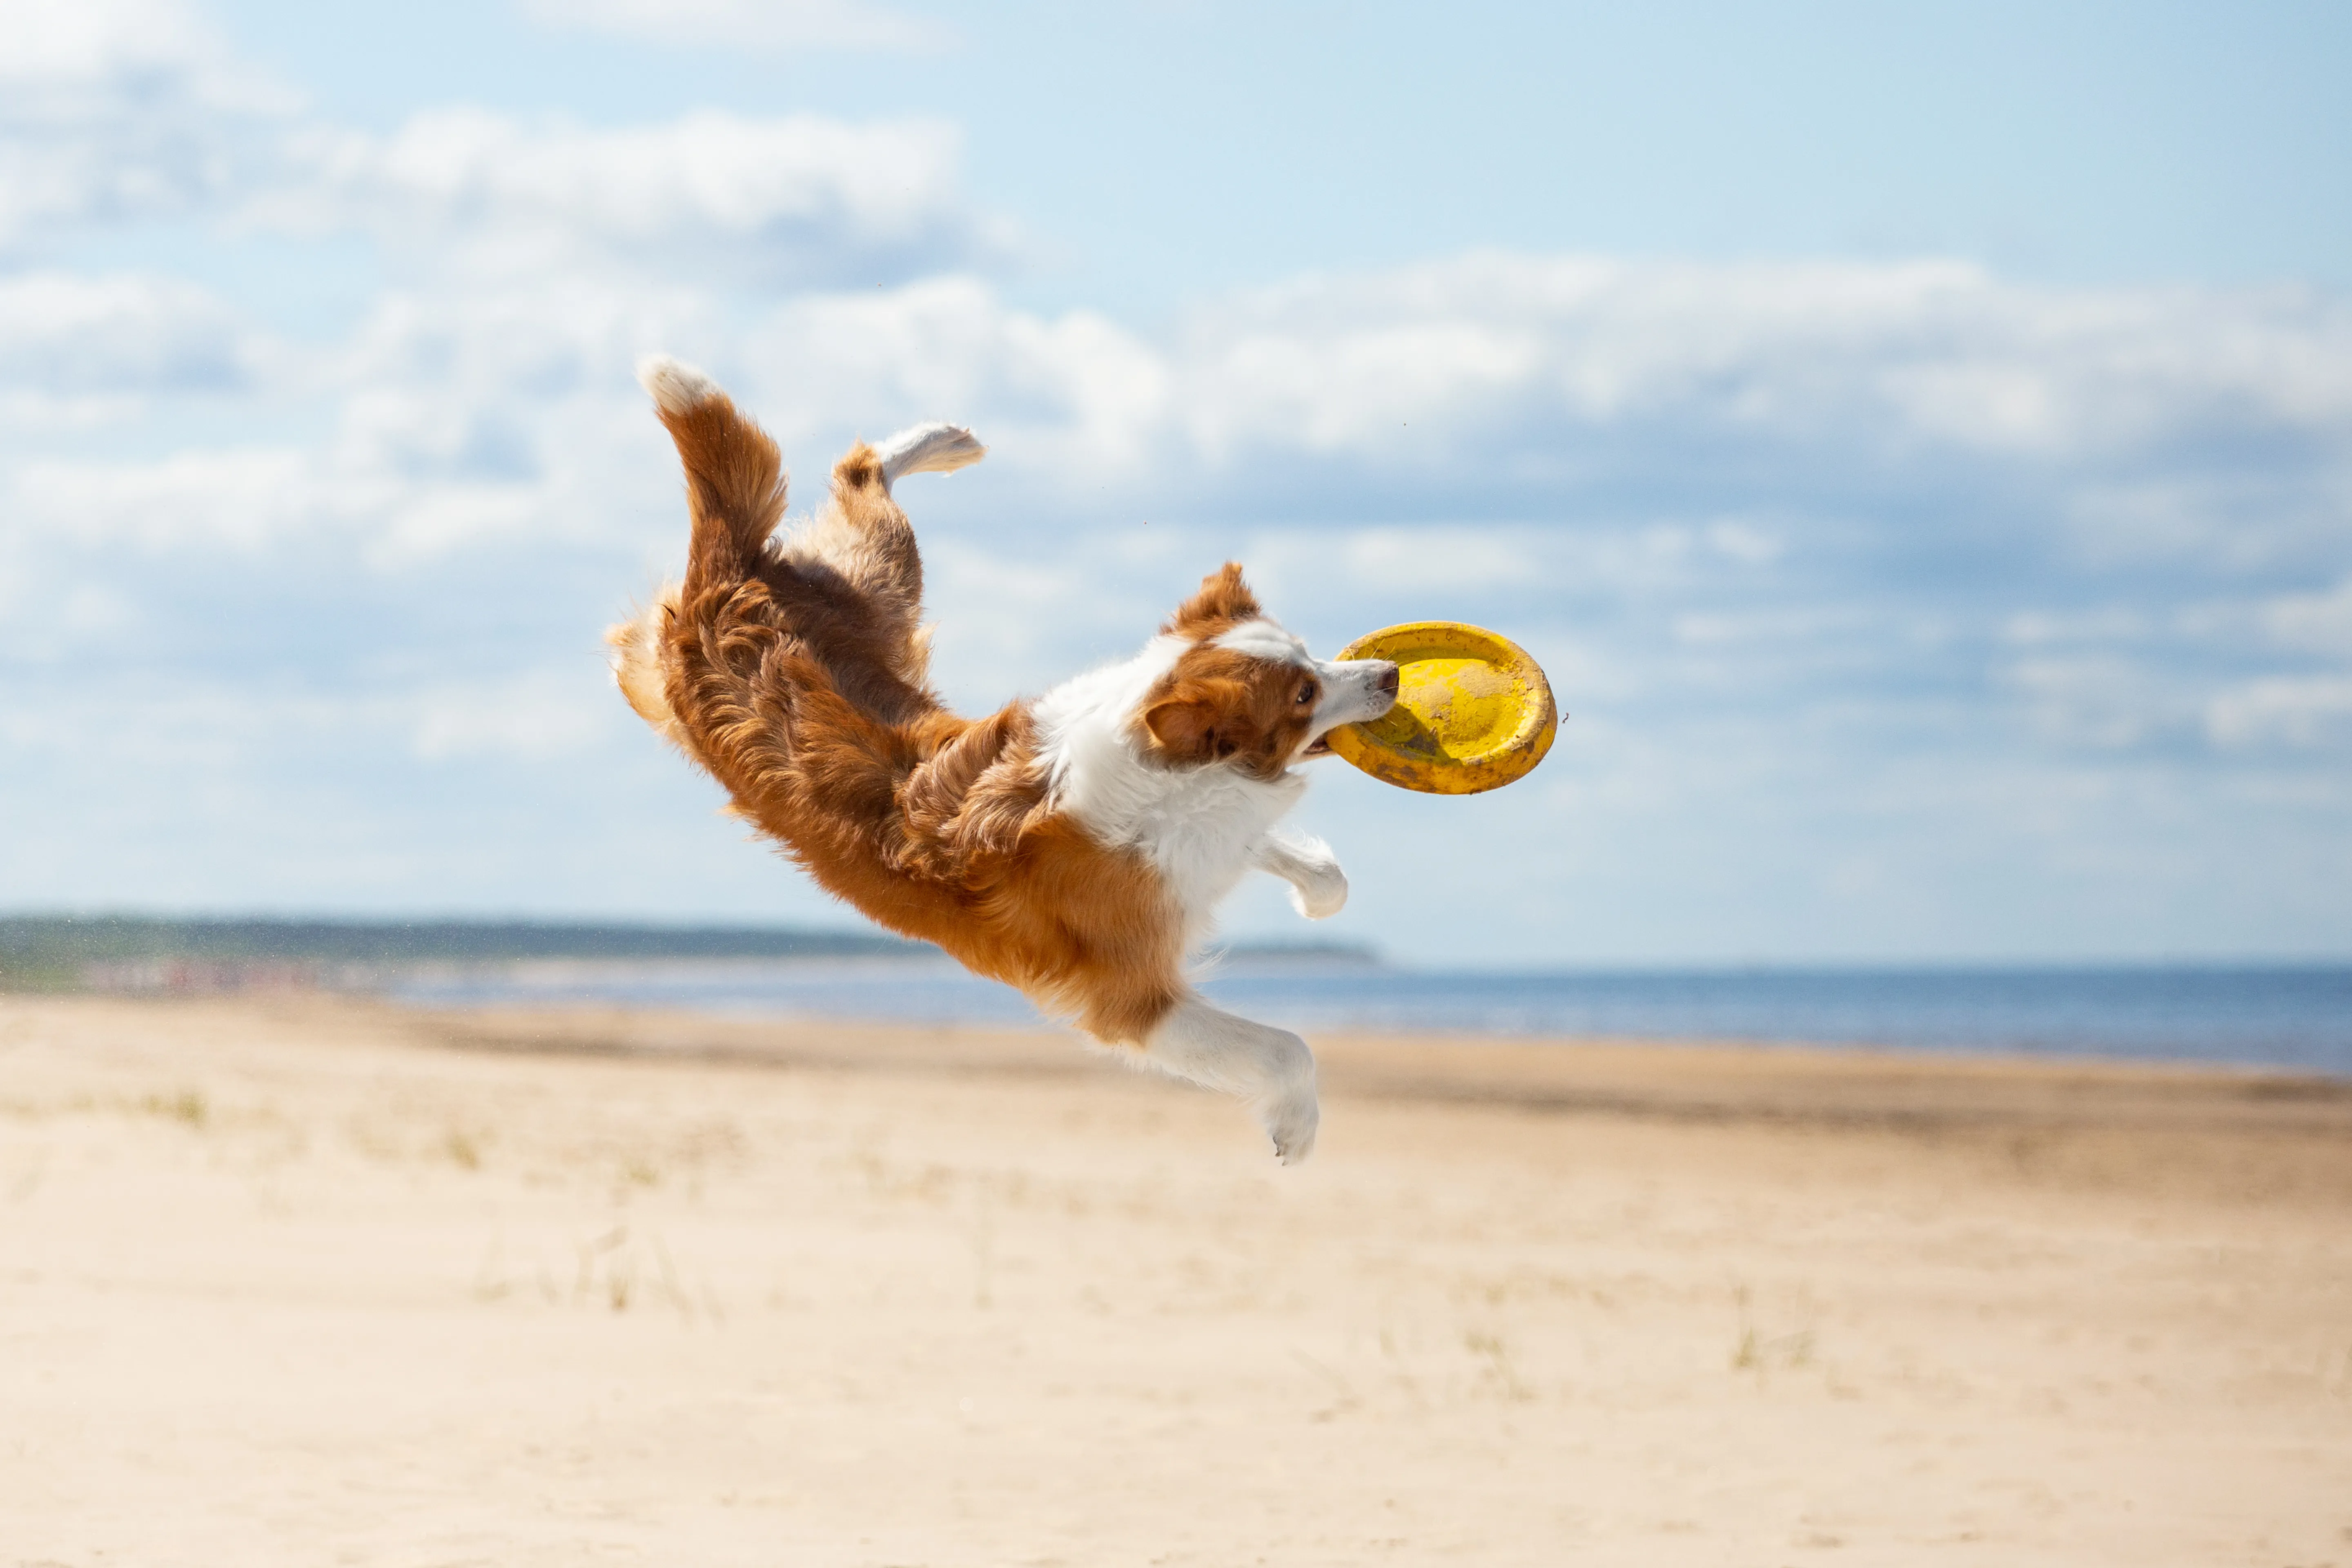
x: 1321, y: 892
x: 1290, y: 1121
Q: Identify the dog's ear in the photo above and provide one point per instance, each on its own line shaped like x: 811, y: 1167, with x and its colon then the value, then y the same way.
x: 1202, y: 722
x: 1223, y: 600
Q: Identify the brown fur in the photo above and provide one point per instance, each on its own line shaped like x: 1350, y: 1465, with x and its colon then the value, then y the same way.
x: 1217, y: 704
x: 1223, y: 602
x: 797, y: 675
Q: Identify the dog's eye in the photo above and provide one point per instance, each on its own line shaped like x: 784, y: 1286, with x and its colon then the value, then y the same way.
x: 1306, y: 694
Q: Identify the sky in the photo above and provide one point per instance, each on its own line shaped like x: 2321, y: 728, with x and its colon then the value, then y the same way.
x: 1917, y: 441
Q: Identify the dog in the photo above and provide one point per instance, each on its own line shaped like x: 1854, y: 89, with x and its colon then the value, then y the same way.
x: 1074, y: 847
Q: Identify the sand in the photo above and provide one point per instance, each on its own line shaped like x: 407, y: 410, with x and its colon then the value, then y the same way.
x: 307, y: 1282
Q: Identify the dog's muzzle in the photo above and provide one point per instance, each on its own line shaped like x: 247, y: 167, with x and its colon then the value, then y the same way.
x: 1358, y: 690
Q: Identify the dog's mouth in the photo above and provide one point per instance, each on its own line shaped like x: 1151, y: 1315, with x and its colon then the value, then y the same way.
x: 1319, y: 747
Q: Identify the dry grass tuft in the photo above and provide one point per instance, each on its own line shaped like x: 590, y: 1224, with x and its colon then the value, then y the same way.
x: 186, y: 1106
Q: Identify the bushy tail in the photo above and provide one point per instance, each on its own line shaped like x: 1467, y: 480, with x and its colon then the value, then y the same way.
x: 734, y: 475
x: 735, y: 490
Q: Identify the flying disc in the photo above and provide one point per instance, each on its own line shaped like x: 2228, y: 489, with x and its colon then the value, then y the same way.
x: 1473, y: 710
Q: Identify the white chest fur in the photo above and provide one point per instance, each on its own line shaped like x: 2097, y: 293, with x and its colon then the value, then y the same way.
x: 1198, y: 825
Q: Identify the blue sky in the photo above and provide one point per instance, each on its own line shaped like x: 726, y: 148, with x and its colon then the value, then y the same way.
x: 1918, y: 442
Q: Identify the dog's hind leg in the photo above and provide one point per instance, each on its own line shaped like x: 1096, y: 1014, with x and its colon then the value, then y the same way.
x: 863, y: 537
x: 1269, y: 1068
x: 637, y: 669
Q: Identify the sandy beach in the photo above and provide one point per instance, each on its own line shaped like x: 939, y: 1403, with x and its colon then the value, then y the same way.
x: 306, y: 1281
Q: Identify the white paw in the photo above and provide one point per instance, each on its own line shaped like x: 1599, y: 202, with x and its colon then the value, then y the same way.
x: 1290, y: 1120
x: 1322, y: 893
x: 928, y: 450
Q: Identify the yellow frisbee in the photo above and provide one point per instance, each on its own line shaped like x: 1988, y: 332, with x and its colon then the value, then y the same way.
x: 1473, y: 710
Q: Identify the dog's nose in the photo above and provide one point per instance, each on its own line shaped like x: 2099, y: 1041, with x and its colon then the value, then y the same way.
x: 1386, y: 684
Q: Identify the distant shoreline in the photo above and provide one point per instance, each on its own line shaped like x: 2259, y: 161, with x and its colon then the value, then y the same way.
x: 54, y: 941
x: 152, y: 953
x: 2296, y: 1017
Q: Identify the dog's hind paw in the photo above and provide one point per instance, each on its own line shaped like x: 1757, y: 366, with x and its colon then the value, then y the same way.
x: 1291, y: 1121
x: 928, y: 450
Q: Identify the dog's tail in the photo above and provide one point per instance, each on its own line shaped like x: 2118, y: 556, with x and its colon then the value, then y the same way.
x: 735, y: 490
x: 734, y: 475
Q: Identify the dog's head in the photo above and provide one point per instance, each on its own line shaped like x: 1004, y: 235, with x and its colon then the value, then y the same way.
x: 1246, y: 693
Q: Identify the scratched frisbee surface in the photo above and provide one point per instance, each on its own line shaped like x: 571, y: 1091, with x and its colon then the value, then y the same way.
x: 1473, y: 712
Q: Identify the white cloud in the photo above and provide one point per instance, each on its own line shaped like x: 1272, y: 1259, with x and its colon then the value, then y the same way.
x: 1074, y: 391
x: 71, y: 336
x: 2102, y: 701
x: 2300, y: 711
x: 1441, y: 390
x: 527, y: 715
x: 534, y: 716
x: 1421, y: 559
x: 1559, y: 372
x: 716, y: 196
x: 121, y: 110
x: 1745, y: 629
x: 132, y: 110
x: 239, y: 498
x: 250, y: 501
x: 1508, y: 351
x: 2320, y: 623
x: 757, y: 24
x: 2036, y: 628
x: 84, y: 40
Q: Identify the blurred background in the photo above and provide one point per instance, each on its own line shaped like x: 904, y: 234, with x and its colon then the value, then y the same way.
x: 1918, y: 444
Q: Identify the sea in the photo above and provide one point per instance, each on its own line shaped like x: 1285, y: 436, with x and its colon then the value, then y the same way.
x: 2279, y: 1016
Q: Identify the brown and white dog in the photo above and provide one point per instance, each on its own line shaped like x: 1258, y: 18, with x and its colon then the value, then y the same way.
x: 1074, y: 847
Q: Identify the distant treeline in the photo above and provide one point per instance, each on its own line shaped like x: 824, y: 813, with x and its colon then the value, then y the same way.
x: 46, y: 952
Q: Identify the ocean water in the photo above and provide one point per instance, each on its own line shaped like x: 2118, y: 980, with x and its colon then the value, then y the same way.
x: 2293, y: 1018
